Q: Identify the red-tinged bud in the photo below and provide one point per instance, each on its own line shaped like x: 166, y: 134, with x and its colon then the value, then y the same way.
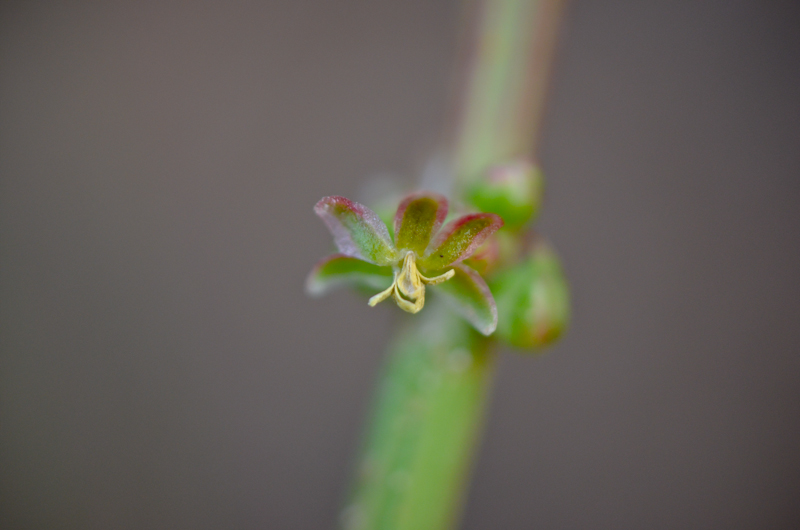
x: 513, y: 191
x: 532, y: 301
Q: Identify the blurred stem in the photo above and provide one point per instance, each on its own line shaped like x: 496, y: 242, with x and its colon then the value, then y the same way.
x: 416, y: 458
x: 506, y: 58
x: 428, y: 412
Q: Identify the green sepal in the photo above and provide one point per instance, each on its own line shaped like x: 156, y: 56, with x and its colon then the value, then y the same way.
x: 418, y: 218
x: 459, y: 238
x: 467, y: 293
x: 357, y: 231
x: 338, y: 270
x: 532, y: 301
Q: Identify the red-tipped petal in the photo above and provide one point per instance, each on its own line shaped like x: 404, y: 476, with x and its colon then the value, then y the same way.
x: 338, y: 269
x: 357, y: 231
x: 418, y: 218
x: 468, y: 295
x: 460, y: 238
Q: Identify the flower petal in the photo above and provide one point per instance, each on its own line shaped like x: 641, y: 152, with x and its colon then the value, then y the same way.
x: 418, y: 218
x: 357, y: 230
x: 460, y: 238
x: 468, y: 294
x: 339, y: 269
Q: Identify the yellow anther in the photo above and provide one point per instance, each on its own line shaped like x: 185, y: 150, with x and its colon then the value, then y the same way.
x: 408, y: 287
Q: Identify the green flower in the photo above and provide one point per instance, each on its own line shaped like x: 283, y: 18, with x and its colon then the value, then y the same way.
x: 422, y: 253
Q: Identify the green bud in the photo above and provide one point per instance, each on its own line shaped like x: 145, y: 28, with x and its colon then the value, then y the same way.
x: 513, y: 191
x: 532, y: 301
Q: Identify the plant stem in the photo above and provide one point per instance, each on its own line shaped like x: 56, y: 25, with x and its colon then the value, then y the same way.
x: 431, y: 399
x: 507, y: 58
x: 427, y: 417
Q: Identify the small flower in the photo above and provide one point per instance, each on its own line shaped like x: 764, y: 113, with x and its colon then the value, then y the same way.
x: 421, y: 254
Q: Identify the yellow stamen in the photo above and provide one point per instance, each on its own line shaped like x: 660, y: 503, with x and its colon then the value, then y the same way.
x: 383, y: 295
x: 408, y: 287
x: 439, y: 279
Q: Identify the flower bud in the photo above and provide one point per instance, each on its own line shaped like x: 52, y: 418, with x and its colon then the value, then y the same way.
x: 512, y: 190
x: 532, y: 300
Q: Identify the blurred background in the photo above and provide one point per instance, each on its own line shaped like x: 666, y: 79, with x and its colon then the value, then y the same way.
x: 161, y: 366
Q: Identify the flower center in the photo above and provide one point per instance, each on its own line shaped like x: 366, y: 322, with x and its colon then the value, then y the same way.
x: 408, y: 287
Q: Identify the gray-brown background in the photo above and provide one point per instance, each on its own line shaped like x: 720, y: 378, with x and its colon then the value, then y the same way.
x: 162, y: 368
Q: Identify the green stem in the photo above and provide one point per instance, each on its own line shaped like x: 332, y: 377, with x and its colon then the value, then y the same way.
x: 420, y: 443
x: 428, y: 415
x: 507, y: 59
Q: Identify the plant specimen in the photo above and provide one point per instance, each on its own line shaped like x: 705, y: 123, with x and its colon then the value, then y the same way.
x: 495, y: 281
